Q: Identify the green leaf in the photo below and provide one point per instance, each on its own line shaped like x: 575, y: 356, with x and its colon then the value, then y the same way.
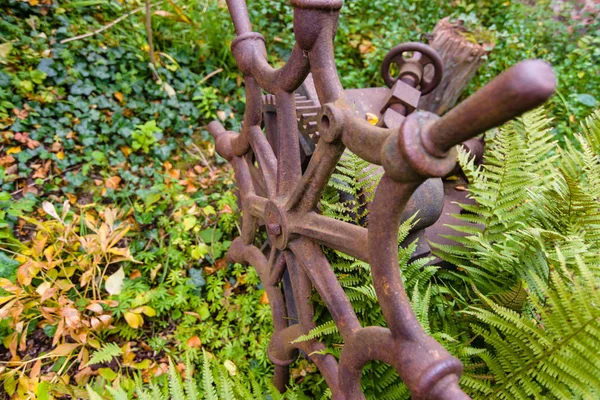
x: 586, y: 99
x: 199, y: 251
x: 108, y: 374
x: 211, y: 235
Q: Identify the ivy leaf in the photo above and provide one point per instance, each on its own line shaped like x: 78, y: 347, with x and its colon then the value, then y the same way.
x: 114, y: 283
x: 197, y: 280
x: 586, y: 99
x: 211, y: 235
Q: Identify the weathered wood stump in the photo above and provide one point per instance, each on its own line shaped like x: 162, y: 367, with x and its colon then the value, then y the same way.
x: 462, y: 54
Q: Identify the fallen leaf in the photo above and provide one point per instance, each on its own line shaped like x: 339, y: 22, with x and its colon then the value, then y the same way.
x: 6, y: 161
x: 194, y: 342
x: 174, y: 173
x: 264, y: 299
x: 13, y: 150
x: 230, y: 367
x: 134, y: 320
x: 60, y: 155
x: 372, y: 118
x: 50, y: 210
x: 21, y: 114
x: 135, y: 274
x: 114, y: 283
x: 118, y: 96
x: 64, y: 349
x: 95, y: 307
x: 35, y: 370
x: 113, y: 182
x: 126, y: 150
x: 72, y: 198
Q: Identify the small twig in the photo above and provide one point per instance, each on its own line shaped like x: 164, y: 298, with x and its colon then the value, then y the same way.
x: 45, y: 179
x: 105, y: 27
x: 207, y: 77
x: 200, y: 155
x: 150, y: 41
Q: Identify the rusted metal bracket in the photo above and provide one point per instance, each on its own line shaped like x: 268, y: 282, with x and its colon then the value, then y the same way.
x: 280, y: 195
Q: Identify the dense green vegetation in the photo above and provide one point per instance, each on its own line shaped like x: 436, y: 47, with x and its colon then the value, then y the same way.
x: 115, y: 213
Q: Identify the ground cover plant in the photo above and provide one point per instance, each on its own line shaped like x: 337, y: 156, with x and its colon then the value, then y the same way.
x: 115, y: 213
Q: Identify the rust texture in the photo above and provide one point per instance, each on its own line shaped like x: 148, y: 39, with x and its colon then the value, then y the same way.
x: 282, y: 171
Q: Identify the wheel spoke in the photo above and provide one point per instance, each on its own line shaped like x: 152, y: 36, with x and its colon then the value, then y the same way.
x: 315, y: 264
x: 288, y: 161
x: 342, y: 236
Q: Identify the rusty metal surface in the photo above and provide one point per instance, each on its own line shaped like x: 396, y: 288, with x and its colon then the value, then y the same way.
x: 280, y: 191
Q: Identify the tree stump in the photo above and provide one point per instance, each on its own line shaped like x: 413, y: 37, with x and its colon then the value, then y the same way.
x: 462, y: 54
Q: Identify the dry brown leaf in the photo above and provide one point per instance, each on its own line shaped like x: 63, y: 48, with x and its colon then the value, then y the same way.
x: 264, y: 298
x: 21, y: 114
x: 135, y: 274
x: 194, y: 342
x: 113, y: 182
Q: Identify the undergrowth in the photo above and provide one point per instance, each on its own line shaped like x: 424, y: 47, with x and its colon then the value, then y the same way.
x: 115, y: 213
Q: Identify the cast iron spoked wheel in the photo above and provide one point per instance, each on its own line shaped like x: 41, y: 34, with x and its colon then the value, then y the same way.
x: 277, y: 194
x: 424, y: 55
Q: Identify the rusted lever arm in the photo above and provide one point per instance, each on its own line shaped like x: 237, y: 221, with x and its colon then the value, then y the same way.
x: 519, y: 89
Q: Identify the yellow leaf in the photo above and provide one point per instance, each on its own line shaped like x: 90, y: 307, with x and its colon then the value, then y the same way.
x: 134, y: 320
x: 60, y: 155
x: 372, y: 118
x: 126, y: 151
x: 114, y: 283
x: 145, y: 364
x: 118, y: 96
x: 43, y: 287
x: 13, y: 150
x: 64, y: 349
x: 149, y: 311
x: 264, y: 299
x: 230, y: 367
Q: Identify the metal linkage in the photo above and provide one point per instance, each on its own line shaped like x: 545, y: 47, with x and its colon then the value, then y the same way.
x: 277, y: 193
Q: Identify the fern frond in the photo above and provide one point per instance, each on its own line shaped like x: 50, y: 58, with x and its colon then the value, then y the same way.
x: 327, y: 328
x: 176, y: 390
x: 208, y: 379
x: 556, y: 353
x: 106, y: 353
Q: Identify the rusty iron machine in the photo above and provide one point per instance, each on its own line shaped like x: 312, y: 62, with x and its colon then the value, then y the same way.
x: 309, y: 120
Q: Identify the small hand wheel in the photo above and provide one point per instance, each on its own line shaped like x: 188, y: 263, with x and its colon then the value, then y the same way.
x: 423, y: 55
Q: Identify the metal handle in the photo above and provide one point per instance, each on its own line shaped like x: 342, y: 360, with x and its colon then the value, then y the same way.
x: 519, y: 89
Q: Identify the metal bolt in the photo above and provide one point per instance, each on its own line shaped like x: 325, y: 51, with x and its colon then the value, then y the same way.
x: 274, y: 229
